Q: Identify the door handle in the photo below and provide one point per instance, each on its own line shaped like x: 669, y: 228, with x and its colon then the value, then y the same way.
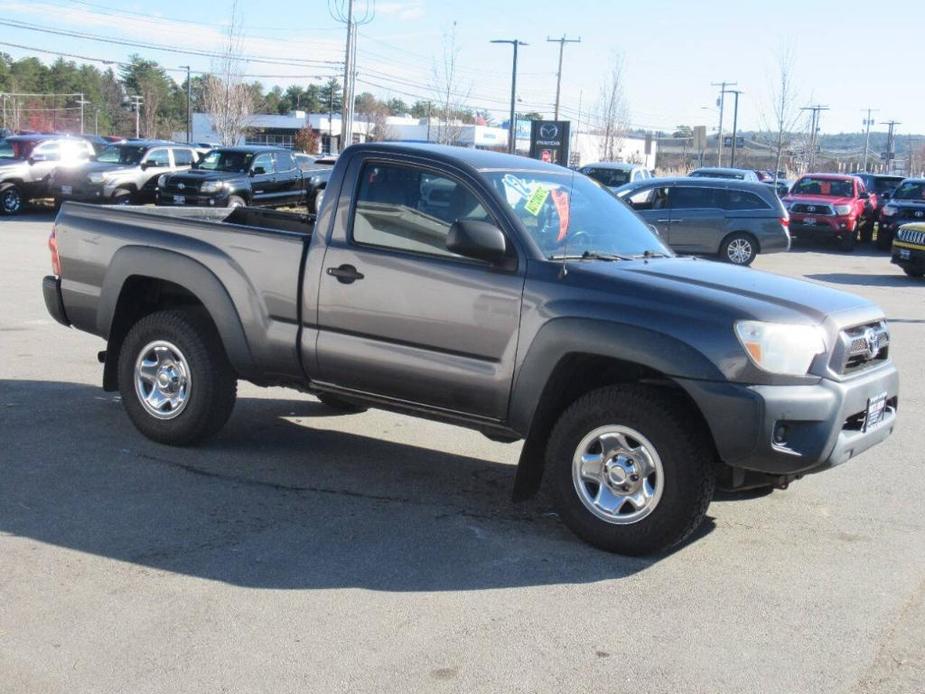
x: 346, y: 274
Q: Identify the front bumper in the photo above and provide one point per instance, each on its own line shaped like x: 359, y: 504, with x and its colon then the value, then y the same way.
x: 908, y: 256
x: 169, y: 199
x: 87, y: 192
x: 823, y: 424
x: 822, y: 227
x: 54, y: 302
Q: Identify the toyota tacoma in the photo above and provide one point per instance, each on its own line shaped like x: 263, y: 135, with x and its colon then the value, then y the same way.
x: 529, y: 304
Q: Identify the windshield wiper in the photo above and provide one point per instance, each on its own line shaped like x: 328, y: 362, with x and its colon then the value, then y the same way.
x: 652, y: 254
x: 591, y: 255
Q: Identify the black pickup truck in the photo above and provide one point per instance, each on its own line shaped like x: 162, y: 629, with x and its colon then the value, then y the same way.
x: 526, y: 303
x: 235, y: 177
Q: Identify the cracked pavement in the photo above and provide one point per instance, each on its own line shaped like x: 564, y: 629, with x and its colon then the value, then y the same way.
x: 308, y: 551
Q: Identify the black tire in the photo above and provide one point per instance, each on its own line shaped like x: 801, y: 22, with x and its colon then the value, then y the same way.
x: 866, y: 230
x: 884, y: 239
x: 236, y: 201
x: 11, y: 200
x: 121, y: 196
x: 848, y: 241
x: 917, y: 274
x: 213, y: 384
x: 686, y: 455
x: 336, y: 403
x: 739, y: 248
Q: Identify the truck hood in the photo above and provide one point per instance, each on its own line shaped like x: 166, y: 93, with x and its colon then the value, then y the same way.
x: 197, y: 177
x: 9, y: 163
x: 96, y: 166
x: 819, y: 199
x: 718, y: 291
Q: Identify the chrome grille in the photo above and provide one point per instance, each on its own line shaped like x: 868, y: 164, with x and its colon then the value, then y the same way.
x: 909, y: 235
x: 861, y: 347
x: 812, y: 208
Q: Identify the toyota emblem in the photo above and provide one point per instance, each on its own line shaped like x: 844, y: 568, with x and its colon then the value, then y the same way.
x: 919, y: 213
x: 811, y: 208
x: 181, y: 186
x: 549, y: 131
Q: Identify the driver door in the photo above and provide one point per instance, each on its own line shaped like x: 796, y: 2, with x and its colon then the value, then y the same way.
x: 651, y: 203
x: 155, y: 163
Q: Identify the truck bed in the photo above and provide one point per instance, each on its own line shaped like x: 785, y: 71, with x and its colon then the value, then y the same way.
x: 255, y: 254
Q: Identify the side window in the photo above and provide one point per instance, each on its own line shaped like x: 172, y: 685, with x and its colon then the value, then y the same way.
x: 410, y: 209
x: 741, y: 200
x: 263, y: 161
x: 50, y: 150
x: 158, y: 157
x: 691, y: 198
x: 183, y: 157
x: 284, y: 162
x: 649, y: 199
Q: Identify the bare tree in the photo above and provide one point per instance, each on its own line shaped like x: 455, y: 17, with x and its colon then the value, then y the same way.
x: 450, y: 93
x: 613, y: 111
x: 228, y: 98
x: 784, y: 112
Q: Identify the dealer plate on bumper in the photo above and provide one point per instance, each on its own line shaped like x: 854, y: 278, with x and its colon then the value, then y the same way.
x: 876, y: 408
x: 179, y: 200
x: 67, y: 190
x: 904, y: 254
x: 809, y: 221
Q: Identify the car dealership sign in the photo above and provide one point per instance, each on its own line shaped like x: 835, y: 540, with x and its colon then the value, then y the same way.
x: 549, y: 141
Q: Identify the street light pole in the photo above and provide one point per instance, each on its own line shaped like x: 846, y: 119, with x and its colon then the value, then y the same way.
x: 512, y: 127
x: 867, y: 123
x: 189, y: 106
x: 735, y: 126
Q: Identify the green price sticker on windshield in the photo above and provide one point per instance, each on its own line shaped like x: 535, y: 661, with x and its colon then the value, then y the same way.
x: 535, y: 203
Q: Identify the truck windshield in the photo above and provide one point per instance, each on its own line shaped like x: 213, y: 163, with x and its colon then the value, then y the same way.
x: 121, y: 154
x: 568, y: 214
x: 910, y: 190
x: 612, y: 178
x: 219, y: 160
x: 825, y: 187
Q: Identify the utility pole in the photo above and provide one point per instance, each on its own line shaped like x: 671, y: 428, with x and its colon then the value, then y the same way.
x: 722, y: 102
x: 814, y: 131
x: 561, y: 43
x: 136, y: 102
x: 83, y: 102
x: 189, y: 106
x: 890, y: 143
x: 345, y: 11
x: 735, y: 125
x: 512, y: 127
x: 867, y: 123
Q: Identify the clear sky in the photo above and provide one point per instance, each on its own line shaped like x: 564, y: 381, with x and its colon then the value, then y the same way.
x: 848, y: 55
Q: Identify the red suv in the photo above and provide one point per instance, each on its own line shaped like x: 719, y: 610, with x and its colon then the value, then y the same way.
x: 830, y: 206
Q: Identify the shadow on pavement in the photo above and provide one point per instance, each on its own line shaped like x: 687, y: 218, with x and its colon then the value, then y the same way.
x: 277, y: 501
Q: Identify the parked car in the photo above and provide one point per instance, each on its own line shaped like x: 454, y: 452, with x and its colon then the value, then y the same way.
x: 906, y: 204
x: 316, y: 172
x: 235, y: 177
x: 734, y: 220
x: 535, y: 306
x: 721, y: 172
x: 824, y: 206
x: 27, y: 162
x: 909, y: 249
x: 123, y: 174
x: 880, y: 187
x: 612, y: 174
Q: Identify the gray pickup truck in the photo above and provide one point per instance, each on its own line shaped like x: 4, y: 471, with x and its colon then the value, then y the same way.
x: 527, y: 303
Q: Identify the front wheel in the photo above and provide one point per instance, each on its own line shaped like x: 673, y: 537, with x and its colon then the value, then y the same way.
x: 11, y: 200
x: 739, y: 249
x: 236, y: 201
x: 884, y: 239
x: 917, y: 274
x: 176, y: 382
x: 630, y: 471
x: 849, y: 240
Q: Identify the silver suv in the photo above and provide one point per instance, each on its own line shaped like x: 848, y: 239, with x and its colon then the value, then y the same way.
x: 123, y: 174
x: 27, y: 162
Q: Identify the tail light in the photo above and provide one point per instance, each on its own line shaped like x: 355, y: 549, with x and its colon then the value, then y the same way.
x: 785, y: 222
x: 53, y: 247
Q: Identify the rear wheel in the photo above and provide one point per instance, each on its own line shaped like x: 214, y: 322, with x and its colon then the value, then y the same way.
x: 630, y: 472
x: 739, y: 249
x: 11, y: 200
x: 177, y: 384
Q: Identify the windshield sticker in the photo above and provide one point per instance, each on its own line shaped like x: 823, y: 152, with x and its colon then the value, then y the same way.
x: 560, y: 199
x: 515, y: 188
x: 535, y: 203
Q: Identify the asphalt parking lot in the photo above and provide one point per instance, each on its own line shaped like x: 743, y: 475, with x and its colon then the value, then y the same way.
x: 307, y: 551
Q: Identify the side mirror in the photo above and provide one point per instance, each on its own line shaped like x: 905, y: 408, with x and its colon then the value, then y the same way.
x: 476, y: 239
x: 145, y: 165
x: 887, y: 194
x: 865, y: 196
x: 258, y: 170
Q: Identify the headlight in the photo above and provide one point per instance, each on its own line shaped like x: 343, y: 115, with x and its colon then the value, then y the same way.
x: 97, y: 177
x: 779, y: 347
x: 843, y: 209
x: 890, y: 210
x: 212, y: 186
x: 162, y: 180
